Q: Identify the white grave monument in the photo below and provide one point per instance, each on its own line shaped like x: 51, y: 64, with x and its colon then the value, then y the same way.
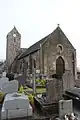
x: 16, y: 105
x: 16, y: 101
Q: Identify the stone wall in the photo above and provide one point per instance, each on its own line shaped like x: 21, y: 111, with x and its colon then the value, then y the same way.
x: 51, y: 52
x: 26, y: 64
x: 55, y: 45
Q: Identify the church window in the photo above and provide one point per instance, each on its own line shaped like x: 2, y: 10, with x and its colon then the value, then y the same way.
x: 59, y: 48
x: 73, y: 62
x: 20, y: 65
x: 34, y: 63
x: 14, y: 35
x: 27, y: 65
x: 60, y: 66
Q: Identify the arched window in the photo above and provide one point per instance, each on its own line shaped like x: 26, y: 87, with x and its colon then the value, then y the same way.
x: 59, y: 48
x: 26, y: 65
x: 34, y: 62
x: 60, y: 66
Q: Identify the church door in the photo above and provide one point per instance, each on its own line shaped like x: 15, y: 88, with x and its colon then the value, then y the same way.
x: 60, y: 66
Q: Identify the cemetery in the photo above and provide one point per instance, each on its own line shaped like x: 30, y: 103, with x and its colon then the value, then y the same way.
x: 49, y: 102
x: 14, y: 104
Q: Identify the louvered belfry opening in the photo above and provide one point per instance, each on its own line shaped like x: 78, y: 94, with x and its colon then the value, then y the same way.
x: 60, y: 66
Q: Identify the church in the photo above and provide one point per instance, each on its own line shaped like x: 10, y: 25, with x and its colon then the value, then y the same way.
x: 52, y: 55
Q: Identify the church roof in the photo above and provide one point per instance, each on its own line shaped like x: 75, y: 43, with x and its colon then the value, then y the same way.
x: 35, y: 47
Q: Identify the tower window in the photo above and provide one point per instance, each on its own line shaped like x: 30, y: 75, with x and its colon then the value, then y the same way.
x: 14, y: 35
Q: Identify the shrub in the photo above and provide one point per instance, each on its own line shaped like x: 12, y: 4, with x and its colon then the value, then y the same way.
x: 21, y: 89
x: 31, y: 98
x: 1, y: 97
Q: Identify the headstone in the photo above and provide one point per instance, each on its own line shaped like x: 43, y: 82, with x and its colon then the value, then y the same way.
x: 68, y: 81
x: 10, y: 87
x: 65, y: 107
x: 4, y: 74
x: 16, y: 113
x: 54, y: 90
x: 16, y: 101
x: 51, y: 91
x: 3, y: 80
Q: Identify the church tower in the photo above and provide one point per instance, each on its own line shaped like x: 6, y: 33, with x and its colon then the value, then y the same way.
x: 13, y: 45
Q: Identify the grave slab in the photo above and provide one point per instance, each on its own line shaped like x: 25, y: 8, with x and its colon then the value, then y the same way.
x: 16, y: 101
x: 16, y: 113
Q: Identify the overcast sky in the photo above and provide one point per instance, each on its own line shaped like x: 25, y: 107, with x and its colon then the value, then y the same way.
x: 35, y: 19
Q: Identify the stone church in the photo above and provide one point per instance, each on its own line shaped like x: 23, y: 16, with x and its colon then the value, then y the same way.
x: 52, y: 55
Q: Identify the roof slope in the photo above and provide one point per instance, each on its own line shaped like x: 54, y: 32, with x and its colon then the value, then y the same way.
x: 33, y: 48
x: 36, y: 46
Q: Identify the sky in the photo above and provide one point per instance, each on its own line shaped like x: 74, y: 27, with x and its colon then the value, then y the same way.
x: 34, y: 19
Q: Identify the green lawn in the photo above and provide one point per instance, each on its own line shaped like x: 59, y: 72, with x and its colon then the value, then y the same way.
x: 29, y: 91
x: 38, y: 90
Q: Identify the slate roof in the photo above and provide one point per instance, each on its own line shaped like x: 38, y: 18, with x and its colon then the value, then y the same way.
x: 35, y: 47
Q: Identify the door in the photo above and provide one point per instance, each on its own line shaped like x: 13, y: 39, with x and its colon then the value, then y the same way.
x: 60, y: 66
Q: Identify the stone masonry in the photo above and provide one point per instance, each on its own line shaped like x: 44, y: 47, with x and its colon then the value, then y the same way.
x: 51, y: 55
x: 13, y: 45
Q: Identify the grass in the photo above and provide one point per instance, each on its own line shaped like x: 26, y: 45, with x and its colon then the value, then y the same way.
x: 40, y: 90
x: 29, y: 91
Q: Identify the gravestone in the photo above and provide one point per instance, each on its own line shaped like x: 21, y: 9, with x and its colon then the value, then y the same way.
x: 54, y: 90
x: 15, y: 106
x: 55, y: 87
x: 3, y: 80
x: 16, y: 101
x: 68, y: 81
x: 65, y: 107
x: 10, y: 87
x: 16, y: 113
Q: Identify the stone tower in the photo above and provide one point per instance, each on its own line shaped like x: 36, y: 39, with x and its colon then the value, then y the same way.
x: 13, y: 45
